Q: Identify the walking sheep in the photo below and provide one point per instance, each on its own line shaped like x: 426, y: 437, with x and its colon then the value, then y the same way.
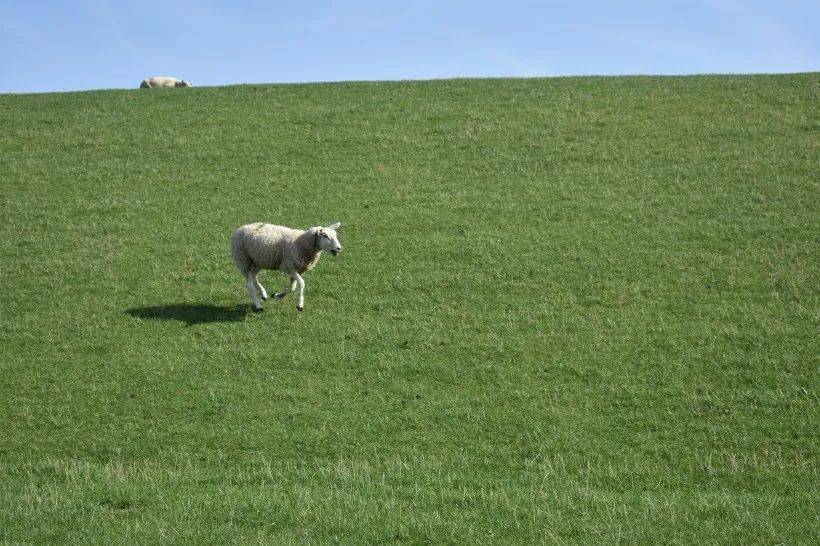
x: 163, y: 81
x: 259, y: 246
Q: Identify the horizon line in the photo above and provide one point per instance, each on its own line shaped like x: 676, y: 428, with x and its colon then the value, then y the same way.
x: 436, y: 79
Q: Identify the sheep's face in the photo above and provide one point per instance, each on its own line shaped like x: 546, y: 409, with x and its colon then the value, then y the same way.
x: 183, y: 83
x: 328, y: 239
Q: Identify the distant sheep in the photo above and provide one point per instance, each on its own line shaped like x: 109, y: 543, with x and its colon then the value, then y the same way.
x: 259, y: 246
x: 163, y: 81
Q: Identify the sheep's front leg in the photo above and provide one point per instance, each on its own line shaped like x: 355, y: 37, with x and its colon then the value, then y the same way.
x: 283, y: 293
x: 252, y: 290
x: 300, y: 298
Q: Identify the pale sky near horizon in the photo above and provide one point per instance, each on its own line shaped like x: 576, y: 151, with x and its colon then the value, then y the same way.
x: 96, y: 44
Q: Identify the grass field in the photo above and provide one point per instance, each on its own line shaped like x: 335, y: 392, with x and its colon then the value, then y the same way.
x: 577, y: 309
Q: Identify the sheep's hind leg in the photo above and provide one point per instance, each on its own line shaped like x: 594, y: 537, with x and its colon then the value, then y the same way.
x: 252, y: 291
x: 283, y: 293
x: 259, y: 287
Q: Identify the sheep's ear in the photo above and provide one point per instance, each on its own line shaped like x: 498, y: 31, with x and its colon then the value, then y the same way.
x: 335, y: 226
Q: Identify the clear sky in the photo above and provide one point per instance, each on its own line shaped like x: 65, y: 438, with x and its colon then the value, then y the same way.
x: 94, y: 44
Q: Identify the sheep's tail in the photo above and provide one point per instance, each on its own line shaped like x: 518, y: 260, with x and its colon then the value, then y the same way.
x: 240, y: 257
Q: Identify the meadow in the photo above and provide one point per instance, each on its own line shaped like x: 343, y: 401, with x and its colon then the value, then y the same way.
x: 568, y: 310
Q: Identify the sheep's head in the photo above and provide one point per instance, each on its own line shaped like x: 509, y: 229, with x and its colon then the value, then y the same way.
x: 328, y: 239
x: 183, y: 83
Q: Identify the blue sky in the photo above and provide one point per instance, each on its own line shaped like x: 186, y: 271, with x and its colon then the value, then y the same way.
x: 79, y: 44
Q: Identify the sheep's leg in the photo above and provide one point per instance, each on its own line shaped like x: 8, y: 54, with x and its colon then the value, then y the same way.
x: 259, y: 287
x: 252, y: 290
x: 300, y: 298
x: 283, y: 293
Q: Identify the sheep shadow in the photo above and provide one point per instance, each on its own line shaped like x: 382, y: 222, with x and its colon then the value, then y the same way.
x: 191, y: 314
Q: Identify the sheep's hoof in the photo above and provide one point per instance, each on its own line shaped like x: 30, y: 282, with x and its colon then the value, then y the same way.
x: 265, y: 297
x: 258, y: 309
x: 300, y: 308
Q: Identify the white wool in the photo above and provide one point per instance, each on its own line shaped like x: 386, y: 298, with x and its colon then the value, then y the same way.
x: 267, y: 246
x: 259, y: 246
x: 163, y: 81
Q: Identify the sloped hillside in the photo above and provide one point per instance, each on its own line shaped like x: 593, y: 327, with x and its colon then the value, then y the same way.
x: 576, y: 309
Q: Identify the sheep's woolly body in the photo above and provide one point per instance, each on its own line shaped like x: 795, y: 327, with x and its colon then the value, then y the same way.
x: 259, y: 246
x: 267, y: 246
x: 163, y: 81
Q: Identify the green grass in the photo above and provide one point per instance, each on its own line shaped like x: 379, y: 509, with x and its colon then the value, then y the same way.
x: 576, y: 309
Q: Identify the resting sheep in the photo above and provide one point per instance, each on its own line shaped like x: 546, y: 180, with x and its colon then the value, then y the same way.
x: 259, y: 246
x: 163, y: 81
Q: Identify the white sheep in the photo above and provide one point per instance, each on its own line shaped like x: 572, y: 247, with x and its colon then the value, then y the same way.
x: 163, y: 81
x: 259, y: 246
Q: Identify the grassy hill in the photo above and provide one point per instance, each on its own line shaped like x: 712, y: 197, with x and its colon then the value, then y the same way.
x: 576, y: 309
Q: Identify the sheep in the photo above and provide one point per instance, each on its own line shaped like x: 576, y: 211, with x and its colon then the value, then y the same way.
x: 259, y: 246
x: 163, y: 81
